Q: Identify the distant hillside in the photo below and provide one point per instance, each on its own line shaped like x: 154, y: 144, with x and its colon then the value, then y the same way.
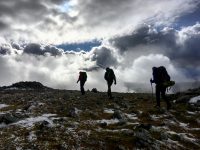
x: 26, y: 85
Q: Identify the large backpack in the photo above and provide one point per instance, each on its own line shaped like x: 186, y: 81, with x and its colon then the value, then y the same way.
x: 109, y: 75
x: 83, y: 76
x: 162, y: 77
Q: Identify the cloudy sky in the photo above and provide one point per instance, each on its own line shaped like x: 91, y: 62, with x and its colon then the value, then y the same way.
x: 50, y: 41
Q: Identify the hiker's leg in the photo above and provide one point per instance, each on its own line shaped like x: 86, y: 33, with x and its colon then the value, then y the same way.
x: 109, y: 89
x: 82, y: 87
x: 163, y: 94
x: 158, y: 95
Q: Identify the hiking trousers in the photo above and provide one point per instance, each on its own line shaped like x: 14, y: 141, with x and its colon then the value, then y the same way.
x: 82, y: 83
x: 109, y: 83
x: 160, y: 90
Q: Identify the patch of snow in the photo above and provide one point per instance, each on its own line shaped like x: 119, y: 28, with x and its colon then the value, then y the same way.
x: 18, y: 148
x: 140, y: 112
x: 108, y: 111
x: 12, y: 88
x: 32, y: 136
x: 183, y: 124
x: 41, y: 104
x: 2, y: 113
x: 77, y: 111
x: 132, y: 123
x: 191, y: 113
x: 171, y: 132
x: 193, y: 129
x: 184, y: 136
x: 111, y: 121
x: 29, y: 122
x: 159, y: 128
x: 155, y: 117
x: 170, y: 122
x: 173, y: 144
x: 2, y: 125
x: 131, y: 116
x: 49, y: 115
x: 115, y: 131
x: 194, y: 100
x: 3, y: 106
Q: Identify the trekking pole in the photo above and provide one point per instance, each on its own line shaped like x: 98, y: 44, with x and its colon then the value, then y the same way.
x: 151, y: 91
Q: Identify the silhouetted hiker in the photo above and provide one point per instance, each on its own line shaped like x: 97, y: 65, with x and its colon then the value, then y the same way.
x: 109, y: 77
x: 160, y: 77
x: 82, y: 78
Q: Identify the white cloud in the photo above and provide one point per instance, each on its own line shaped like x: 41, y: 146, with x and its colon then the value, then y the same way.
x: 80, y: 20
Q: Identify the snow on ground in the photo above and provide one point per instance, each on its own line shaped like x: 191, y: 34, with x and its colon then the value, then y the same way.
x: 108, y: 122
x: 131, y: 116
x: 108, y: 111
x: 194, y: 100
x: 29, y: 122
x: 32, y: 136
x: 3, y: 106
x: 2, y: 125
x: 191, y: 113
x: 183, y: 124
x: 155, y: 117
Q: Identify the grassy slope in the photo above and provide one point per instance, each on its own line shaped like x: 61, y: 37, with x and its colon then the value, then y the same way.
x: 83, y: 131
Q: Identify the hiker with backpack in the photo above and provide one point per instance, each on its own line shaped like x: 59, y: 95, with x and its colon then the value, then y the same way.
x: 162, y: 80
x: 82, y: 78
x: 109, y: 77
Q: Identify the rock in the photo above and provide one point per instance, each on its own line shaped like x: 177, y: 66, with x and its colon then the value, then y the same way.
x: 103, y: 124
x: 183, y: 99
x: 94, y: 90
x: 8, y: 119
x: 144, y: 126
x: 119, y: 115
x: 120, y: 147
x: 73, y: 112
x: 122, y: 122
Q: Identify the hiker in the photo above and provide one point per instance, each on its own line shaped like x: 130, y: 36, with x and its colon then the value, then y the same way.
x: 82, y: 78
x: 109, y: 77
x: 160, y: 77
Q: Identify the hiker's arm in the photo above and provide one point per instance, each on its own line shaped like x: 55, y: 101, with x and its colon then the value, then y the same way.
x: 78, y: 80
x: 115, y: 79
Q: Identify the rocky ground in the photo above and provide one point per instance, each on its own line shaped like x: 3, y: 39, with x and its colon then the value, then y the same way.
x: 44, y: 119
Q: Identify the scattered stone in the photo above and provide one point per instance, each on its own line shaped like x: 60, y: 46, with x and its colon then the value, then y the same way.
x: 119, y: 115
x: 73, y: 112
x: 103, y: 124
x: 8, y: 118
x: 94, y: 90
x: 144, y: 126
x: 183, y: 99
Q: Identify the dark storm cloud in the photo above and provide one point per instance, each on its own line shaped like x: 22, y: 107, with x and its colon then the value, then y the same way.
x: 104, y: 57
x: 144, y: 35
x: 58, y: 1
x: 183, y: 54
x: 26, y: 10
x: 37, y: 49
x: 3, y: 25
x: 104, y: 9
x: 5, y: 50
x: 16, y: 46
